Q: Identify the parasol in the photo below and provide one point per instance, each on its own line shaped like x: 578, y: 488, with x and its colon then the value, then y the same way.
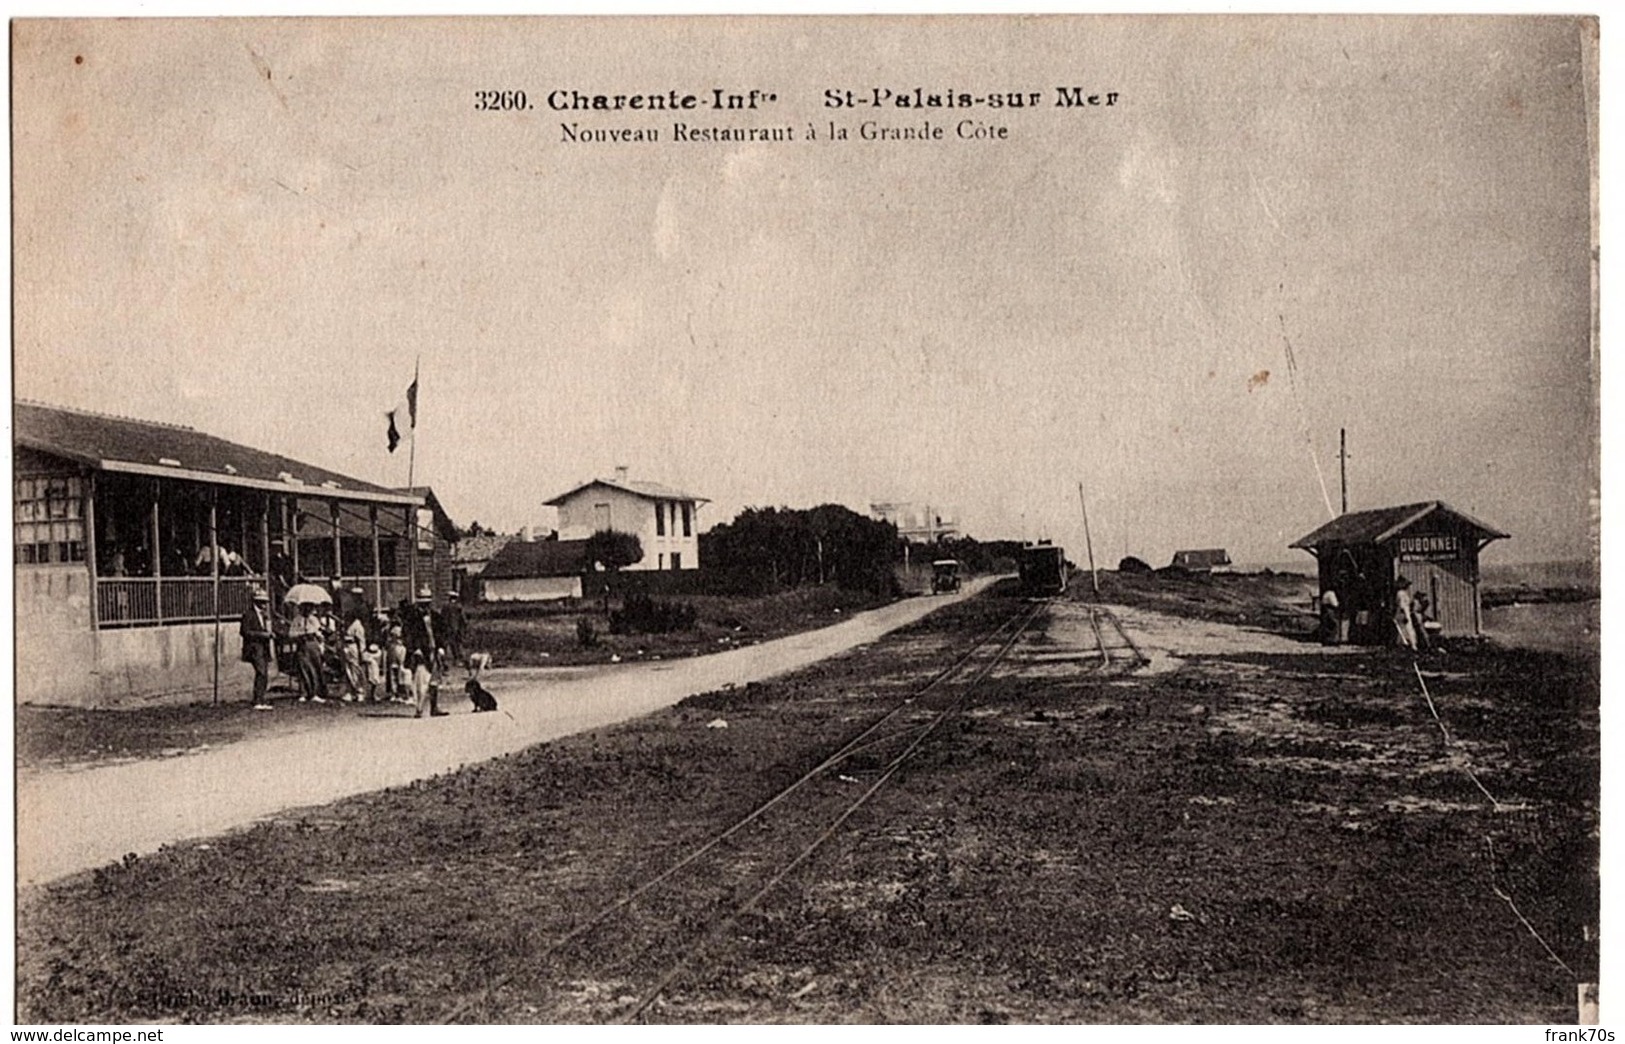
x: 307, y: 594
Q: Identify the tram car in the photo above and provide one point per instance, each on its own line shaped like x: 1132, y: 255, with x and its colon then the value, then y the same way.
x: 1043, y: 570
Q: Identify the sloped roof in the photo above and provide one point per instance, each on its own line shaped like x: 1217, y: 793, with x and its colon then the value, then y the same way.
x: 480, y: 548
x: 141, y: 447
x: 637, y: 487
x: 1381, y: 524
x: 520, y: 560
x: 1206, y: 558
x: 442, y: 521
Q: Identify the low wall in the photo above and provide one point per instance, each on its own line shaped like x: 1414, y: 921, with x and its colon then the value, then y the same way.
x: 169, y: 664
x: 63, y: 661
x: 536, y: 589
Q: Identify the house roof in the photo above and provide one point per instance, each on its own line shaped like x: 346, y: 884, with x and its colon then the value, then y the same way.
x: 480, y: 548
x: 1382, y: 524
x: 442, y: 521
x: 125, y: 444
x: 1203, y: 559
x: 636, y: 487
x: 521, y: 560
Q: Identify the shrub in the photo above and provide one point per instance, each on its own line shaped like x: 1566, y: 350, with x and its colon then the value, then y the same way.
x: 641, y: 614
x: 586, y: 633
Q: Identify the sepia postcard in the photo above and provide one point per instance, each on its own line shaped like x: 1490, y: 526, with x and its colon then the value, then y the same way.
x: 807, y: 520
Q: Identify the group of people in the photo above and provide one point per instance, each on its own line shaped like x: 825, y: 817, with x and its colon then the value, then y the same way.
x: 1411, y: 615
x: 367, y: 654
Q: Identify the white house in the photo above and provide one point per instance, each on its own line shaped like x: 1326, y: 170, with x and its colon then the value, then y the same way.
x: 922, y: 523
x: 665, y: 520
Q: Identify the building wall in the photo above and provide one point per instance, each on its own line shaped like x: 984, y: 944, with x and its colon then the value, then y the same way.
x: 55, y: 643
x: 173, y: 663
x: 63, y: 661
x: 532, y: 589
x: 580, y: 518
x: 1453, y: 595
x: 1441, y: 561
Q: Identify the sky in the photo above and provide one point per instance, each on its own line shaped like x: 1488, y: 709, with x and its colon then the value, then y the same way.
x: 1285, y: 227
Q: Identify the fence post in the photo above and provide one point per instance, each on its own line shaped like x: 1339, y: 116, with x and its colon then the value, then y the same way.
x: 214, y: 568
x: 88, y: 520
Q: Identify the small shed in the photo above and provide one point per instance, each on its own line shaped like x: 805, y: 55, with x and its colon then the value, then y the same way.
x: 1363, y: 553
x: 1203, y: 561
x: 540, y: 571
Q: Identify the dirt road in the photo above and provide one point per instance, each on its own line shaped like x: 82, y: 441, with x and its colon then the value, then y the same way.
x: 72, y: 820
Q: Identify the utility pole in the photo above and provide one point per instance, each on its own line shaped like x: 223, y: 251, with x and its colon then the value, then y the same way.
x: 1088, y: 543
x: 1343, y: 464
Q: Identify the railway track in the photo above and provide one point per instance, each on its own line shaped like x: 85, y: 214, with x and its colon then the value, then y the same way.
x: 824, y: 796
x: 1112, y: 640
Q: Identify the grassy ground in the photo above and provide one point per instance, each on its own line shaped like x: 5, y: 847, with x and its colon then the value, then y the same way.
x: 52, y: 737
x: 1278, y: 602
x: 1249, y: 838
x: 541, y: 635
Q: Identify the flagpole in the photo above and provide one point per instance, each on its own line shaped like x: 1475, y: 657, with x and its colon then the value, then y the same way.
x: 412, y: 451
x: 411, y: 464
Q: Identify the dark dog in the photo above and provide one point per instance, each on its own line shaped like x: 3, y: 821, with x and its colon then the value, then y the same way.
x: 480, y: 695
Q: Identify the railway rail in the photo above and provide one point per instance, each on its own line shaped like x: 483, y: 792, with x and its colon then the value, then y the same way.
x: 1113, y: 641
x: 952, y: 687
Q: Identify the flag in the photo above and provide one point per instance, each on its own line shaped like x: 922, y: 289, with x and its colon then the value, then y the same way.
x: 394, y: 433
x: 412, y: 401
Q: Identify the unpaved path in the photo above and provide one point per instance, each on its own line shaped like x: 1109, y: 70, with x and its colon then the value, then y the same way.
x: 75, y: 819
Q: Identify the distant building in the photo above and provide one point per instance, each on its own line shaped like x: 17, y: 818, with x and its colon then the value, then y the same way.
x: 540, y: 571
x: 665, y: 520
x: 921, y: 523
x: 469, y: 558
x: 1203, y: 561
x: 1363, y: 553
x: 133, y: 538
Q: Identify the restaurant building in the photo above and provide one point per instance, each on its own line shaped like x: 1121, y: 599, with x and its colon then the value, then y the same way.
x: 138, y: 545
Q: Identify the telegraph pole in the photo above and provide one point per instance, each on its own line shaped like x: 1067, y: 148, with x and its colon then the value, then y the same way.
x: 1343, y: 464
x: 1088, y: 543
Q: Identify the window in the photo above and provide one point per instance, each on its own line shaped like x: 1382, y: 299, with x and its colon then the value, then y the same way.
x: 660, y: 519
x: 48, y: 521
x: 425, y: 529
x: 677, y: 560
x: 688, y: 519
x: 660, y: 560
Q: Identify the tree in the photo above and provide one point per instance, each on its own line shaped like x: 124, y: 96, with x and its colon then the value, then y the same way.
x: 770, y: 549
x: 612, y: 550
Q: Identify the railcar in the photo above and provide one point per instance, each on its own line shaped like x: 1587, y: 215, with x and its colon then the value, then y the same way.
x: 1043, y: 570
